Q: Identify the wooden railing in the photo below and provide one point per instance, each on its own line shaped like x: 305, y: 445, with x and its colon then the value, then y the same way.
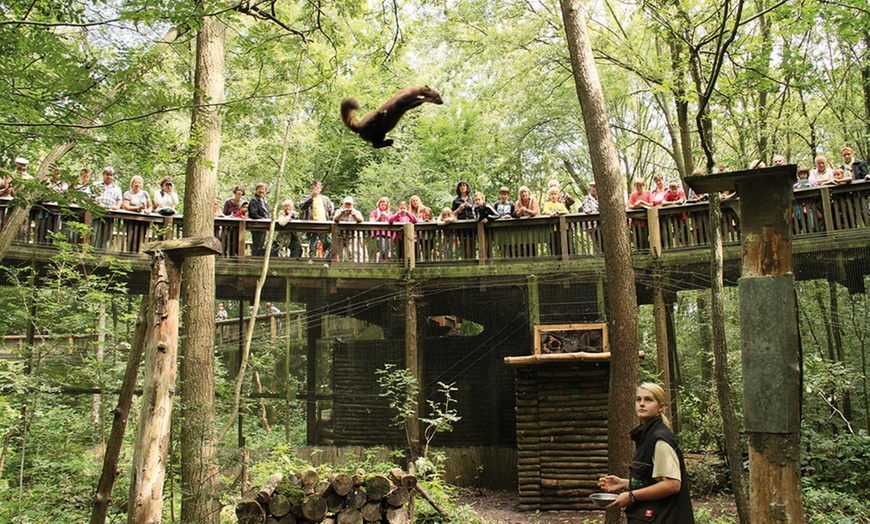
x: 817, y: 211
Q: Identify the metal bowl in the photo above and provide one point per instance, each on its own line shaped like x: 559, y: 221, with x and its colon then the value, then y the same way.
x: 603, y: 499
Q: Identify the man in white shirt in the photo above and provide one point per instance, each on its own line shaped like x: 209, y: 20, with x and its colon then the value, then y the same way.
x: 822, y: 173
x: 108, y: 196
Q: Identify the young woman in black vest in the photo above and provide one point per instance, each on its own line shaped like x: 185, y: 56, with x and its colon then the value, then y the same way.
x: 657, y: 489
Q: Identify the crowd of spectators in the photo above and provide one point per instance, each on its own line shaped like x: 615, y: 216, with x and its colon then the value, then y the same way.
x: 316, y: 206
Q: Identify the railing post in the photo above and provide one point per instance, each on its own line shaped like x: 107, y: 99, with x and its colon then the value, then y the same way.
x: 410, y: 253
x: 655, y: 231
x: 563, y: 237
x: 827, y: 216
x: 481, y: 244
x: 338, y: 242
x: 243, y: 230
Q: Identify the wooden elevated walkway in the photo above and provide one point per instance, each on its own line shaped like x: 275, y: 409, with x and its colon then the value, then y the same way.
x: 831, y: 223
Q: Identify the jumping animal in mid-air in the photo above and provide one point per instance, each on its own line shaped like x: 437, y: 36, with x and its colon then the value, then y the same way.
x: 374, y: 126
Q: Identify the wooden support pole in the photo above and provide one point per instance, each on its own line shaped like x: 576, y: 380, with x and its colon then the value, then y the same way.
x: 534, y: 305
x: 289, y: 393
x: 315, y: 318
x: 661, y: 324
x: 161, y: 349
x: 770, y: 341
x: 599, y: 294
x: 412, y: 361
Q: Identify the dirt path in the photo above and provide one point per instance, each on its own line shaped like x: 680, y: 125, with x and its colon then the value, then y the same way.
x: 500, y: 507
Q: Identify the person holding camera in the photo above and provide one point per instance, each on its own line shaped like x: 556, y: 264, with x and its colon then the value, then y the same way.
x: 352, y: 246
x: 165, y: 199
x: 347, y: 213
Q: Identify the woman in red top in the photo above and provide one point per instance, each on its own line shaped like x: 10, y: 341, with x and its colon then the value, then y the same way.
x: 640, y: 198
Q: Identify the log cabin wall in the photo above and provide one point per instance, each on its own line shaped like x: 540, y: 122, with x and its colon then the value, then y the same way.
x: 561, y: 433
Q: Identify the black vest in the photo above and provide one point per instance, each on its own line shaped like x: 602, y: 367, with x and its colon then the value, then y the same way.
x: 674, y: 509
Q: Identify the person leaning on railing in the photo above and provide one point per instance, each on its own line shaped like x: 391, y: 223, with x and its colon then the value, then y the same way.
x: 136, y: 200
x: 527, y: 205
x: 857, y: 168
x: 291, y: 246
x: 166, y: 199
x: 352, y: 247
x: 317, y: 206
x: 383, y: 239
x: 108, y: 195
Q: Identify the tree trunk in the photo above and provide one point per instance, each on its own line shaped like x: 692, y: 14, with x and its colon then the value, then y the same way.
x: 865, y: 81
x: 704, y: 339
x: 119, y: 424
x: 621, y: 293
x: 158, y: 391
x: 730, y: 424
x: 199, y: 469
x: 682, y: 106
x: 837, y: 332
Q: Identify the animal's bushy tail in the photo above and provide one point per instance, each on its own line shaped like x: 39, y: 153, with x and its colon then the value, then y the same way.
x: 348, y: 106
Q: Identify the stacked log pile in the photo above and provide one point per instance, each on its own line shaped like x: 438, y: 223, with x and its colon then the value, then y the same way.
x: 304, y: 497
x: 561, y: 434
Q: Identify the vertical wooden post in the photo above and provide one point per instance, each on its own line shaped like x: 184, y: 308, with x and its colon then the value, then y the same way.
x: 158, y: 391
x: 481, y: 244
x: 314, y: 330
x: 599, y: 293
x: 655, y: 231
x: 661, y: 324
x: 563, y: 237
x: 770, y: 342
x: 242, y: 240
x: 412, y: 362
x: 534, y: 305
x: 289, y: 394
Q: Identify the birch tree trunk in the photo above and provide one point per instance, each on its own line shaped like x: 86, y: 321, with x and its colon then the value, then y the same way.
x: 621, y: 293
x: 199, y: 469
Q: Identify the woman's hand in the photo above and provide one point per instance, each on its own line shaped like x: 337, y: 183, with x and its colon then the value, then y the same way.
x: 612, y: 483
x: 622, y: 501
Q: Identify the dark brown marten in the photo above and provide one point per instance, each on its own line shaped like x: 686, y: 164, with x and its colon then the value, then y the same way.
x: 375, y: 125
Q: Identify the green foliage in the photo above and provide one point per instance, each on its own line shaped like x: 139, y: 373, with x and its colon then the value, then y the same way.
x: 400, y: 388
x: 441, y: 417
x: 841, y: 463
x: 704, y: 516
x: 829, y: 506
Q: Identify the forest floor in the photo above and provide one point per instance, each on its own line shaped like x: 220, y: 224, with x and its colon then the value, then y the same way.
x: 500, y: 507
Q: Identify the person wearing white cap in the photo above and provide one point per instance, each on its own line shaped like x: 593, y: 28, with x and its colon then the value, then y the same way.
x: 347, y: 213
x: 352, y: 246
x: 21, y: 164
